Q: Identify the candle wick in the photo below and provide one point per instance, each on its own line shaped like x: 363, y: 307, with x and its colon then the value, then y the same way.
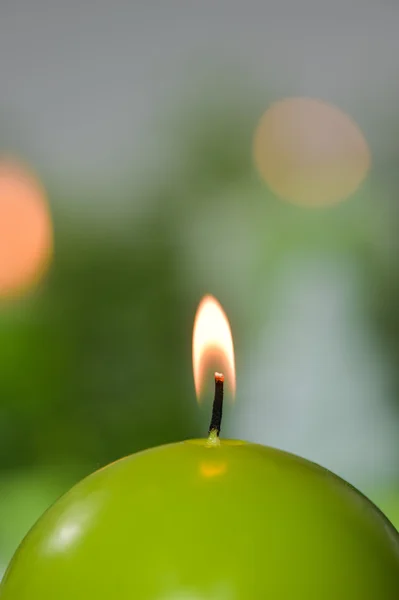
x: 217, y: 411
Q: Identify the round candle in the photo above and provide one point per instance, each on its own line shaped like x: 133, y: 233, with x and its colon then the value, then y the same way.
x: 199, y: 520
x: 209, y: 519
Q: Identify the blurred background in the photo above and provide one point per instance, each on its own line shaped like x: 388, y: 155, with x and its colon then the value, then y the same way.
x: 155, y: 151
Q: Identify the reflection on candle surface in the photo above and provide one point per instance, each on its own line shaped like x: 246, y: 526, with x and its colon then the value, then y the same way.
x: 213, y: 469
x: 75, y: 521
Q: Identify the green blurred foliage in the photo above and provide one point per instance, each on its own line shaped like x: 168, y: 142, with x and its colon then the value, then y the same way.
x: 98, y: 361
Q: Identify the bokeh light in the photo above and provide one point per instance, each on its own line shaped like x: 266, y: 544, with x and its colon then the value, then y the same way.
x: 309, y: 152
x: 25, y: 229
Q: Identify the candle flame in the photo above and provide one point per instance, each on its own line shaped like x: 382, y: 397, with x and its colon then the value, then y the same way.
x: 212, y: 344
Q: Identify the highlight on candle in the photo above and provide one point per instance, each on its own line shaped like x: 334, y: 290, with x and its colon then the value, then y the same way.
x: 310, y: 152
x: 210, y: 469
x: 212, y: 345
x: 26, y: 237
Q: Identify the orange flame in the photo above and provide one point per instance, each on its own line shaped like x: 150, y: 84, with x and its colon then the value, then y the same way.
x: 212, y: 344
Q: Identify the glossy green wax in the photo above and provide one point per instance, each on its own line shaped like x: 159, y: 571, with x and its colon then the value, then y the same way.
x: 189, y: 521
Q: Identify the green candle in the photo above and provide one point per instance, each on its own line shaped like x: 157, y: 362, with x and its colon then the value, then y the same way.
x: 209, y: 519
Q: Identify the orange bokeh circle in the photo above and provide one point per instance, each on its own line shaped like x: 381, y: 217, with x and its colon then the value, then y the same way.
x: 26, y: 238
x: 309, y: 152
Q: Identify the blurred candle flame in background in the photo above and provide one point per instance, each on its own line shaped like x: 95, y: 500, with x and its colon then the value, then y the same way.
x: 212, y: 345
x: 25, y: 229
x: 310, y: 152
